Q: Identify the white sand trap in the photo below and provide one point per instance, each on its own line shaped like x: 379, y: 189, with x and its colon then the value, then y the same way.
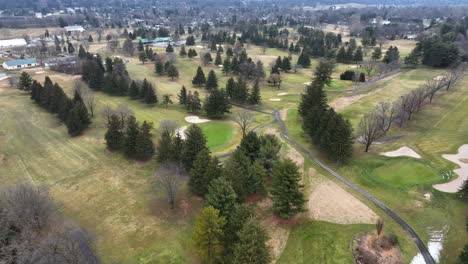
x: 196, y: 120
x: 462, y: 172
x: 199, y: 46
x: 439, y: 78
x: 403, y: 151
x: 306, y: 83
x: 275, y: 99
x: 329, y: 202
x: 282, y: 94
x: 181, y: 131
x: 39, y: 72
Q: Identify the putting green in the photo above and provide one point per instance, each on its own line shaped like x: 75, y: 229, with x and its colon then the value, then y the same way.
x: 404, y: 172
x: 221, y: 135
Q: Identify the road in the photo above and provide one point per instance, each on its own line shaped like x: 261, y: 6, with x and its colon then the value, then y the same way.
x: 284, y: 132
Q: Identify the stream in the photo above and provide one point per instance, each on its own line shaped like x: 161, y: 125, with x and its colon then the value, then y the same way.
x: 435, y: 245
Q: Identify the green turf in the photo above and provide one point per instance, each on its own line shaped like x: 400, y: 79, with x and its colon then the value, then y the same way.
x: 218, y: 134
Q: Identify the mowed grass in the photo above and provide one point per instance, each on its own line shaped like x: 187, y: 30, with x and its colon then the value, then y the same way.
x: 402, y: 182
x: 219, y: 135
x: 321, y: 242
x: 116, y: 199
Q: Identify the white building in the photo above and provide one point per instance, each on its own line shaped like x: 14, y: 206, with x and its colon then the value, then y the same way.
x: 19, y: 64
x: 11, y: 43
x: 74, y: 28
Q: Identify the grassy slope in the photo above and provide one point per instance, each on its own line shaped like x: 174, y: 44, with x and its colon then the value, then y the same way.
x: 401, y: 182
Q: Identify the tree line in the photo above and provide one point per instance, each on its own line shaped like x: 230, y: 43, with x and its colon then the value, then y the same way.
x: 376, y: 124
x: 72, y: 111
x: 326, y: 128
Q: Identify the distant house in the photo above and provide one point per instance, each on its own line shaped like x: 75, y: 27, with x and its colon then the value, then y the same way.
x: 74, y: 28
x: 165, y: 40
x: 411, y: 37
x: 18, y: 64
x: 11, y: 43
x: 60, y: 61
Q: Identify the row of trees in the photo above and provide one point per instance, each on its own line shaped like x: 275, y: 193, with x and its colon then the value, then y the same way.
x: 327, y: 129
x: 375, y: 125
x: 124, y: 133
x: 33, y: 231
x: 73, y: 112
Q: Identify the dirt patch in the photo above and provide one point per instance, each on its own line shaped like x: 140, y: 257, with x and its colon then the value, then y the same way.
x: 196, y: 120
x: 272, y: 131
x: 462, y: 172
x: 343, y: 102
x: 278, y: 239
x: 370, y: 248
x: 295, y: 156
x: 284, y: 114
x: 2, y: 158
x: 403, y: 151
x: 329, y: 202
x: 439, y: 78
x: 275, y: 99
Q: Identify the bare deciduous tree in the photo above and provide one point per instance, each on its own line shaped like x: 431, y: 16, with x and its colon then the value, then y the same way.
x: 169, y: 178
x: 432, y: 87
x: 386, y: 115
x: 89, y: 99
x: 370, y: 130
x: 452, y: 77
x: 369, y: 67
x: 168, y: 125
x: 244, y: 119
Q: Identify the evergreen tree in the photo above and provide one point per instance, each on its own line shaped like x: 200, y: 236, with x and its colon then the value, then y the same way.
x: 78, y: 119
x: 167, y: 100
x: 254, y: 97
x: 218, y: 59
x: 140, y: 46
x: 304, y: 59
x: 199, y: 79
x: 130, y: 137
x: 143, y: 57
x: 358, y: 56
x: 323, y: 72
x: 194, y: 102
x: 286, y: 64
x: 212, y: 81
x: 134, y: 90
x: 164, y: 146
x: 182, y: 52
x: 204, y: 170
x: 208, y: 235
x: 172, y: 72
x: 66, y: 105
x: 36, y: 89
x: 227, y: 65
x: 259, y: 70
x: 128, y: 47
x: 252, y: 246
x: 190, y: 41
x: 463, y: 258
x: 159, y: 68
x: 221, y: 196
x: 377, y: 54
x: 216, y: 104
x: 463, y: 191
x: 240, y: 92
x: 182, y: 96
x: 81, y: 52
x: 412, y: 59
x: 25, y: 81
x: 150, y: 97
x: 169, y: 48
x: 195, y: 142
x: 114, y: 135
x: 286, y: 193
x: 341, y: 55
x: 230, y: 87
x: 144, y: 147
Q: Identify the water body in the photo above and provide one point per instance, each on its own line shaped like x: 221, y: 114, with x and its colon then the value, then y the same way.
x: 435, y: 245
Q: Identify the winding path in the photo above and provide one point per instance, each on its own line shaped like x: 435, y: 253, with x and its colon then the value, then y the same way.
x: 284, y: 131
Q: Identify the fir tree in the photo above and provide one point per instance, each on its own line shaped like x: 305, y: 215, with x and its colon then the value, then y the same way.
x: 230, y: 87
x: 218, y: 59
x: 254, y: 97
x: 216, y: 104
x: 204, y: 170
x: 150, y: 97
x: 194, y: 102
x: 240, y: 93
x: 25, y: 81
x: 159, y: 68
x: 182, y: 96
x: 134, y: 90
x: 358, y: 56
x: 208, y: 235
x: 81, y: 52
x: 172, y: 72
x: 252, y: 246
x: 144, y: 147
x: 212, y: 81
x: 377, y: 54
x: 114, y: 135
x: 304, y: 59
x: 259, y: 70
x: 130, y: 137
x: 227, y: 65
x: 323, y: 72
x: 286, y: 64
x: 77, y: 120
x: 169, y: 48
x: 36, y: 89
x: 167, y: 100
x: 221, y: 196
x: 182, y: 52
x: 199, y: 79
x: 341, y: 56
x: 463, y: 190
x: 195, y: 142
x: 143, y: 57
x: 287, y: 196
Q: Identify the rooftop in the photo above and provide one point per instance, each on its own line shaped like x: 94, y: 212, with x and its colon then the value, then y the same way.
x: 14, y: 63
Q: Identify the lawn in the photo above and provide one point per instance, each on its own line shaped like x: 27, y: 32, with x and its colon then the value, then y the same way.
x: 220, y: 135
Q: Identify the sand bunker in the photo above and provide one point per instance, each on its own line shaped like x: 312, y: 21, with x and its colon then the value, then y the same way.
x: 282, y: 94
x: 275, y: 99
x: 439, y: 78
x: 329, y: 202
x: 196, y: 120
x: 403, y: 151
x: 181, y: 131
x: 462, y: 172
x: 39, y: 72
